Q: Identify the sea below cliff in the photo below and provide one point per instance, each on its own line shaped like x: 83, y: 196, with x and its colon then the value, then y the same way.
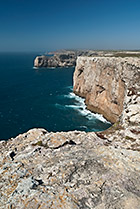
x: 40, y: 98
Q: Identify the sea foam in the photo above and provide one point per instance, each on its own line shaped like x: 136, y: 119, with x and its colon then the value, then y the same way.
x: 80, y: 106
x: 36, y: 68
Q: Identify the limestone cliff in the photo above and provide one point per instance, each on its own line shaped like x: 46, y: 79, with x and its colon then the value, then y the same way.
x: 67, y: 58
x: 75, y: 169
x: 57, y: 60
x: 105, y: 83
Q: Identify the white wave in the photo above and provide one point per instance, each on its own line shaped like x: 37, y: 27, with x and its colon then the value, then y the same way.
x: 59, y: 106
x: 69, y: 87
x: 80, y: 106
x: 71, y: 95
x: 72, y: 106
x: 36, y: 68
x: 52, y: 67
x: 85, y: 127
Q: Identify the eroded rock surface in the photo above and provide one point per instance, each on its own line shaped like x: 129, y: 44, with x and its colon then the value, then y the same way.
x: 105, y: 83
x: 67, y: 170
x: 111, y: 87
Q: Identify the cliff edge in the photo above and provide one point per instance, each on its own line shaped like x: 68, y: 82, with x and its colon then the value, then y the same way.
x: 75, y: 169
x: 107, y: 83
x: 67, y: 58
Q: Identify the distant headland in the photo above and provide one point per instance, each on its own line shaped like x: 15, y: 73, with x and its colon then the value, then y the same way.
x: 67, y: 58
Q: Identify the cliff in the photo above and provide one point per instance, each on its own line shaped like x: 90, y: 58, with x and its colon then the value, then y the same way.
x: 57, y: 60
x: 107, y: 84
x: 75, y: 169
x: 67, y: 58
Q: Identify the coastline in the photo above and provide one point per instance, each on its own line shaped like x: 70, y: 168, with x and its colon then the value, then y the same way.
x: 77, y: 169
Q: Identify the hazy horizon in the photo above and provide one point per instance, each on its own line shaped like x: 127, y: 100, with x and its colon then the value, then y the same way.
x: 30, y: 26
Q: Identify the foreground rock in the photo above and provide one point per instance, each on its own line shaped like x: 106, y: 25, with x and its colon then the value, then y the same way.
x: 67, y: 170
x: 108, y: 83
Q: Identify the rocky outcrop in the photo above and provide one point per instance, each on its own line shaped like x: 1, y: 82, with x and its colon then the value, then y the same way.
x: 111, y: 87
x: 106, y: 82
x: 67, y: 170
x: 75, y: 169
x: 57, y: 60
x: 67, y: 58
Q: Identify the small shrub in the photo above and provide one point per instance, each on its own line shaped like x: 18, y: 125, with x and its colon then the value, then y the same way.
x: 39, y: 143
x: 135, y: 131
x: 130, y: 138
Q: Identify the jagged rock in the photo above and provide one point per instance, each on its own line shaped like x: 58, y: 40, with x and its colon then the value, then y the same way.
x: 68, y: 170
x: 41, y: 61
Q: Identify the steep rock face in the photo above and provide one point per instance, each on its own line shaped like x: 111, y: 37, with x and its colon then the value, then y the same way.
x: 67, y: 170
x: 104, y: 82
x: 40, y: 61
x: 67, y: 58
x: 58, y: 60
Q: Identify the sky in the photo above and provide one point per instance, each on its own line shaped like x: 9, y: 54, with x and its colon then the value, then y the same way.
x: 31, y: 25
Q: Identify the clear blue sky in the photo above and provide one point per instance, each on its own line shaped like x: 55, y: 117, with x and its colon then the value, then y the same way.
x: 30, y: 25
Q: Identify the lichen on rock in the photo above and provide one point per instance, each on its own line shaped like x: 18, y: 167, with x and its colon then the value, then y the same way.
x: 75, y: 170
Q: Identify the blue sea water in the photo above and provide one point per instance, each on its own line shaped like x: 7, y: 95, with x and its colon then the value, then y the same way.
x: 40, y: 98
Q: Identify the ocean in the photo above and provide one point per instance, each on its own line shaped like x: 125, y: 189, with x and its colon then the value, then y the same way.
x: 41, y: 98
